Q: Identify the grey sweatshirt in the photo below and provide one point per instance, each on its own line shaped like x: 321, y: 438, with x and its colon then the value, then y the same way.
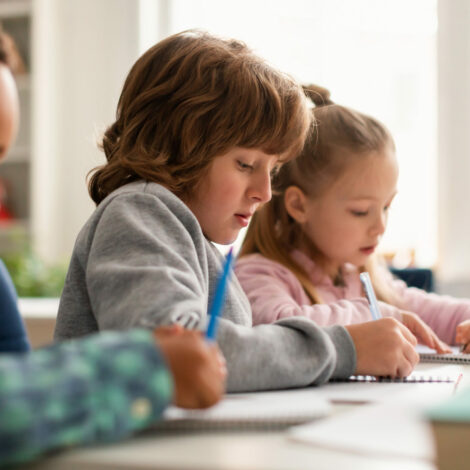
x: 142, y: 260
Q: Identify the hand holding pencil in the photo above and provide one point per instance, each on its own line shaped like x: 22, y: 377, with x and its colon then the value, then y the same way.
x: 384, y: 346
x: 197, y: 365
x: 198, y: 368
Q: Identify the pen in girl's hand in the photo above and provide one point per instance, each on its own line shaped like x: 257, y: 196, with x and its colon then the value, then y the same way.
x: 370, y: 294
x: 218, y: 301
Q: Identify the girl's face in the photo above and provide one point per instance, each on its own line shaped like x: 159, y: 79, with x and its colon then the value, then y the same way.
x: 346, y: 223
x: 235, y: 185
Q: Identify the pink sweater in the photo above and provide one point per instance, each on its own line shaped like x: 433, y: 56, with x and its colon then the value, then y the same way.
x: 275, y: 292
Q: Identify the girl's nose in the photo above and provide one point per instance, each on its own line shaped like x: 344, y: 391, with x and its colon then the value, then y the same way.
x: 380, y: 223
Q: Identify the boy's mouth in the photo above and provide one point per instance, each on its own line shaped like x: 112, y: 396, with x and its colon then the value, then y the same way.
x: 243, y: 219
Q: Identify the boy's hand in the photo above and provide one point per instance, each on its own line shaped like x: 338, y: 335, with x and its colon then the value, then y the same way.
x: 462, y: 335
x: 424, y: 334
x: 198, y: 368
x: 384, y: 347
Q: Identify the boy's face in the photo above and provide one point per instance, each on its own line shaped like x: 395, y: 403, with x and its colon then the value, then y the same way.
x: 9, y: 110
x: 347, y: 222
x: 235, y: 185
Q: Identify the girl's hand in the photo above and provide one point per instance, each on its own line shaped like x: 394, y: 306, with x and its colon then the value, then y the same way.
x: 424, y: 334
x: 462, y: 335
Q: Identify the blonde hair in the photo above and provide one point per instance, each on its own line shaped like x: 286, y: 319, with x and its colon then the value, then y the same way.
x: 190, y: 98
x: 338, y: 135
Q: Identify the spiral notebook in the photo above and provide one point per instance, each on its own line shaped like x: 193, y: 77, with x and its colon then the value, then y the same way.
x: 267, y: 410
x: 455, y: 357
x: 414, y: 377
x: 368, y: 389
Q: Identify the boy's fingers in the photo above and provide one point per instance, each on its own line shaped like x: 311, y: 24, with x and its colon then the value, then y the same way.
x: 411, y: 358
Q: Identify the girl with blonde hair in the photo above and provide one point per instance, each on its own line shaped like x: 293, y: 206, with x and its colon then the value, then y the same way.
x: 304, y: 250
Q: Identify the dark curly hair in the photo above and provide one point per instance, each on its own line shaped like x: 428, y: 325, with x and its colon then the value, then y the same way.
x: 190, y: 98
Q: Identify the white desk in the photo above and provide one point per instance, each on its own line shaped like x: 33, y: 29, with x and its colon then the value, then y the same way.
x: 228, y: 451
x: 39, y: 315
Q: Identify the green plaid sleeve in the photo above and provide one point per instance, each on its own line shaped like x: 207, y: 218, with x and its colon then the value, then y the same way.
x: 96, y: 389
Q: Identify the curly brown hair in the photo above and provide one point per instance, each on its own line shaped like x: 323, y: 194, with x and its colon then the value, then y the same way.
x: 190, y: 98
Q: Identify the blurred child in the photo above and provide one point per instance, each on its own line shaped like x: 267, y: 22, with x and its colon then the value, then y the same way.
x: 304, y: 250
x: 201, y: 124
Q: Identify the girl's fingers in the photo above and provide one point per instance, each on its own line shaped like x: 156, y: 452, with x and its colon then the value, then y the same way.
x: 441, y: 347
x: 424, y: 335
x: 409, y: 336
x: 429, y: 339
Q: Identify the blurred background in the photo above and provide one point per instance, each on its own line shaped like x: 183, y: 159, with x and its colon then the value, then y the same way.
x: 406, y: 62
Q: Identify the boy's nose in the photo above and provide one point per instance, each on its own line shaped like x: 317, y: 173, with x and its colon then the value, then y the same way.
x: 261, y: 187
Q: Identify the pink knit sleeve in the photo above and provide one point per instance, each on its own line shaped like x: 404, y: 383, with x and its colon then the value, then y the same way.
x: 274, y: 293
x: 441, y: 312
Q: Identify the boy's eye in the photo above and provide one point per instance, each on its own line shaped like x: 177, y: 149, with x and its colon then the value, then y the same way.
x: 244, y: 166
x: 359, y: 213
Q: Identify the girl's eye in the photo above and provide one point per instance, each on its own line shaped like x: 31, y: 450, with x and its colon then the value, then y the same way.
x: 244, y: 166
x: 359, y: 213
x: 386, y: 208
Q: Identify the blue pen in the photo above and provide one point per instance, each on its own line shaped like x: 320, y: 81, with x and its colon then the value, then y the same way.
x: 218, y: 301
x: 370, y: 294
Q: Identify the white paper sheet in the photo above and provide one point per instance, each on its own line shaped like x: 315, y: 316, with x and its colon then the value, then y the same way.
x: 391, y: 430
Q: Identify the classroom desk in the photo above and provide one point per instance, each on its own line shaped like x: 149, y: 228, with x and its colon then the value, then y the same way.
x: 228, y: 451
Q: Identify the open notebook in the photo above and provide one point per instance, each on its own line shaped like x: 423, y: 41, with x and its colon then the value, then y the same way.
x: 270, y: 410
x: 429, y: 355
x: 426, y: 380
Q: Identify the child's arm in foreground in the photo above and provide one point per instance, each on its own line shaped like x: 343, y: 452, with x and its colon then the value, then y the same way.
x: 99, y: 389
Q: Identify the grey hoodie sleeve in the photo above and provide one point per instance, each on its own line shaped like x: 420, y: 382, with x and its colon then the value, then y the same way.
x: 148, y: 262
x: 142, y: 268
x: 290, y: 353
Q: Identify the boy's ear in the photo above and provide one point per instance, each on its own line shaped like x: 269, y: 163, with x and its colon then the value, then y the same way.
x: 295, y: 203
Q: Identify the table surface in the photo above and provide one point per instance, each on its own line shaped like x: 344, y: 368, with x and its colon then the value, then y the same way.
x: 229, y: 450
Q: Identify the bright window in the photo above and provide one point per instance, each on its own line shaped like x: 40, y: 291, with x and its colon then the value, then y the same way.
x: 376, y: 56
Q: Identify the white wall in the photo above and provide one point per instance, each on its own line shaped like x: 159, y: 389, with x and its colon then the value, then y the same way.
x: 454, y: 145
x: 82, y: 51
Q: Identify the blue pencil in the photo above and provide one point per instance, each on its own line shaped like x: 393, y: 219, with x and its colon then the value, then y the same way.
x: 370, y: 294
x: 218, y: 301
